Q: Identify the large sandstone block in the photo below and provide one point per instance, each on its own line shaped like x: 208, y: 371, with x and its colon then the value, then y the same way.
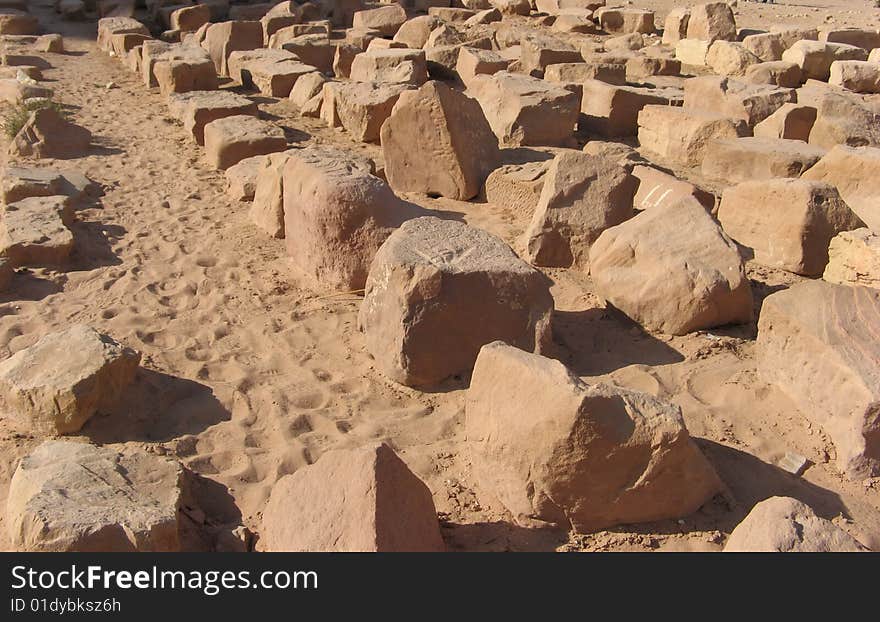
x: 273, y: 77
x: 267, y: 211
x: 768, y: 46
x: 230, y: 140
x: 675, y: 25
x: 854, y: 259
x: 341, y: 214
x: 474, y: 61
x: 553, y: 448
x: 47, y: 134
x: 842, y: 119
x: 855, y: 75
x: 352, y: 500
x: 241, y: 179
x: 786, y: 525
x: 184, y: 69
x: 190, y: 18
x: 516, y: 187
x: 682, y: 135
x: 790, y: 121
x: 611, y: 73
x: 659, y: 189
x: 538, y: 52
x: 733, y: 160
x: 22, y: 183
x: 712, y: 21
x: 386, y: 20
x: 427, y: 285
x: 640, y: 68
x: 795, y: 234
x: 613, y: 111
x: 198, y: 108
x: 741, y: 100
x: 780, y: 73
x: 523, y: 110
x: 363, y: 108
x: 313, y: 49
x: 121, y: 44
x: 34, y: 231
x: 393, y: 65
x: 730, y: 58
x: 816, y: 57
x: 109, y: 26
x: 307, y: 87
x: 855, y: 172
x: 582, y: 195
x: 14, y: 22
x: 692, y: 51
x: 437, y: 142
x: 865, y: 38
x: 414, y: 32
x: 816, y: 335
x: 67, y: 496
x: 672, y: 269
x: 150, y: 51
x: 621, y: 21
x: 224, y: 38
x: 280, y: 16
x: 792, y: 34
x: 57, y: 384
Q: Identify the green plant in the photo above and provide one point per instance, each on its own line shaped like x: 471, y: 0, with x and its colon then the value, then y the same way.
x: 15, y: 118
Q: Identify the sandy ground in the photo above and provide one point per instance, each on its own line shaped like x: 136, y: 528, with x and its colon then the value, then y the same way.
x: 248, y: 375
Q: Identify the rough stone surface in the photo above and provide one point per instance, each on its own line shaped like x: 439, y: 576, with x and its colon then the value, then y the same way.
x: 341, y: 214
x: 737, y: 99
x: 363, y: 108
x: 241, y: 179
x: 230, y: 140
x: 224, y: 38
x: 855, y: 75
x: 712, y: 21
x: 267, y: 211
x: 437, y: 141
x: 815, y: 335
x: 517, y: 186
x: 659, y: 189
x: 522, y: 110
x: 854, y: 259
x: 21, y: 183
x: 795, y: 234
x: 734, y: 160
x: 843, y: 120
x: 682, y: 135
x: 34, y: 231
x: 855, y: 172
x: 552, y: 448
x: 67, y: 496
x: 613, y: 111
x: 394, y: 65
x: 352, y: 500
x: 790, y: 121
x: 57, y: 384
x: 779, y: 73
x: 672, y: 269
x: 198, y: 108
x: 786, y: 525
x: 582, y: 196
x: 429, y: 281
x: 47, y: 134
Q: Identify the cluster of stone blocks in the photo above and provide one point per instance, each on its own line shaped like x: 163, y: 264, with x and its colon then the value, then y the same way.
x: 661, y: 186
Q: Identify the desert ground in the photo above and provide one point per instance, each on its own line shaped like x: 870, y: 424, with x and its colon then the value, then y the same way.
x: 251, y: 369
